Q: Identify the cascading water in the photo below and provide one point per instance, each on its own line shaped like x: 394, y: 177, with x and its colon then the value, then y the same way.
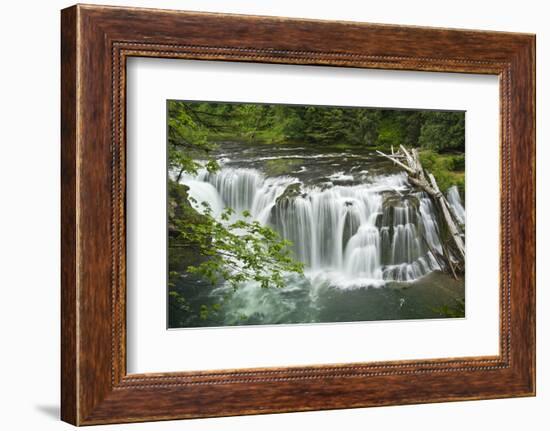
x: 347, y: 235
x: 453, y: 197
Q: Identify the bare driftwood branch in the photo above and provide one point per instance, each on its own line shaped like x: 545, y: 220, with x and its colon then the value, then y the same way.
x: 409, y: 161
x: 396, y: 161
x: 449, y: 219
x: 442, y: 259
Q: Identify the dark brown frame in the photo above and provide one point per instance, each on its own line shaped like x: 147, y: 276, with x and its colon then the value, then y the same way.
x: 95, y: 43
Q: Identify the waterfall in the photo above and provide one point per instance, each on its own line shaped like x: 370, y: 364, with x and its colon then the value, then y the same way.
x: 453, y: 197
x: 237, y: 187
x: 200, y: 191
x: 349, y: 235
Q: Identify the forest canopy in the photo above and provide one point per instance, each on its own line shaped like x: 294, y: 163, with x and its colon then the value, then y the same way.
x: 440, y: 131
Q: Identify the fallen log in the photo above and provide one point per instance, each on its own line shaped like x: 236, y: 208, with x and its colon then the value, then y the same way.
x: 409, y: 161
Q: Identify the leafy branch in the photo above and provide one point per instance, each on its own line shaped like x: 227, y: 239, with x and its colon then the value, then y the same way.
x: 237, y: 251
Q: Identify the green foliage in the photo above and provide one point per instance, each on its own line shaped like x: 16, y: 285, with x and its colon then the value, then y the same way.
x: 202, y: 124
x: 361, y: 126
x: 457, y: 310
x: 188, y: 138
x: 389, y: 134
x: 177, y: 301
x: 442, y: 131
x: 237, y: 250
x: 448, y: 169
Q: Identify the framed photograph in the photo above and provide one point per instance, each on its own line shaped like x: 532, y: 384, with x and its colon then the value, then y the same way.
x: 264, y: 215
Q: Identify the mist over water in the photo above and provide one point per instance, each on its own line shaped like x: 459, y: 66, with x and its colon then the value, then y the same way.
x: 362, y: 231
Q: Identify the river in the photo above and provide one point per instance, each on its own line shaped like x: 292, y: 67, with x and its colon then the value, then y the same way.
x: 362, y: 231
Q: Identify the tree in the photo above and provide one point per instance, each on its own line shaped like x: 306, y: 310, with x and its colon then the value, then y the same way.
x: 443, y: 131
x: 188, y: 140
x: 361, y: 126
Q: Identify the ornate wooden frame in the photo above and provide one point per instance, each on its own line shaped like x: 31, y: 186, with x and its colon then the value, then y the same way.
x: 95, y: 43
